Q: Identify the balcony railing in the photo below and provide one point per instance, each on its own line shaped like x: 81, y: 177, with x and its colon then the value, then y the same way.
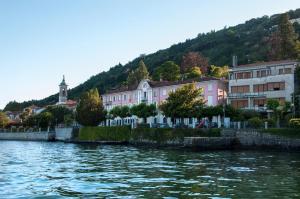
x: 245, y: 95
x: 256, y: 108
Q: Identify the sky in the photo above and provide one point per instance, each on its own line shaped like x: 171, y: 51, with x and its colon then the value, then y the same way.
x: 40, y: 41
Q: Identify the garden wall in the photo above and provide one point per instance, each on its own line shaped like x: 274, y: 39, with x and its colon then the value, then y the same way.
x: 28, y: 136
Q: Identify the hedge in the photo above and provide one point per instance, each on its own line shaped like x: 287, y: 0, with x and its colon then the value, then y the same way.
x: 116, y: 133
x: 285, y: 132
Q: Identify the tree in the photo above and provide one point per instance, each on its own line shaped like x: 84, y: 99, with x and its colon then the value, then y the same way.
x: 232, y: 112
x: 192, y: 59
x: 25, y: 114
x: 120, y: 111
x: 13, y: 106
x: 274, y: 105
x: 90, y: 110
x: 284, y: 43
x: 168, y: 71
x: 184, y: 102
x: 3, y: 120
x: 289, y: 43
x: 139, y: 74
x: 31, y: 121
x: 210, y: 111
x: 59, y: 113
x: 219, y: 72
x: 194, y: 72
x: 143, y: 111
x: 274, y: 43
x: 44, y: 119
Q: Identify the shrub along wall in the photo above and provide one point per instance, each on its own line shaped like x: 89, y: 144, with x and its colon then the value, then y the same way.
x: 117, y: 134
x: 157, y: 135
x: 284, y: 132
x: 164, y: 135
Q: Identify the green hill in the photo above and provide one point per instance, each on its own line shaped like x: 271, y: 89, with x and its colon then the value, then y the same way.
x: 248, y: 41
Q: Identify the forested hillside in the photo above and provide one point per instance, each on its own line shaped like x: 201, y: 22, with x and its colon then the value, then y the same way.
x: 250, y: 41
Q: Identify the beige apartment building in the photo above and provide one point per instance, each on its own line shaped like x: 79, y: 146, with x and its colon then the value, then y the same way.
x: 251, y: 85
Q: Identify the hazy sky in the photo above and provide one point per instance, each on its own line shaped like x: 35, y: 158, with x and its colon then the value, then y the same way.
x: 42, y: 40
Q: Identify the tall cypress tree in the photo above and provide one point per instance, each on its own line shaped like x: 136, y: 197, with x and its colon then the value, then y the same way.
x: 90, y: 110
x: 288, y: 38
x: 139, y: 74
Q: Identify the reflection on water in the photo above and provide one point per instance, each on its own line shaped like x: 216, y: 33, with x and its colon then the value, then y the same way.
x: 53, y: 170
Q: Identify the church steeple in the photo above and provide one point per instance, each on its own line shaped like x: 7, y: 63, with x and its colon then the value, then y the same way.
x: 63, y: 92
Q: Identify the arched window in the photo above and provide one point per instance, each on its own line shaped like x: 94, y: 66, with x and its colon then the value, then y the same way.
x: 165, y: 120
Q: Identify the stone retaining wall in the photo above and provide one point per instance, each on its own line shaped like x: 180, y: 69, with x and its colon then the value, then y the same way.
x: 170, y: 143
x: 210, y: 142
x: 250, y: 138
x: 28, y: 136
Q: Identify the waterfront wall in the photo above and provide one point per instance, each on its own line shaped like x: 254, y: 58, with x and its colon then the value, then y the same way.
x: 64, y: 134
x: 210, y: 142
x: 252, y: 138
x: 29, y: 136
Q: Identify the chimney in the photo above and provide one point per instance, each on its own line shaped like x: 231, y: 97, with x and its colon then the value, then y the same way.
x: 234, y: 61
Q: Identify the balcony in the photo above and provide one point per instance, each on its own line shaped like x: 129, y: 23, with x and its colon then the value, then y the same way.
x: 245, y: 95
x: 256, y: 108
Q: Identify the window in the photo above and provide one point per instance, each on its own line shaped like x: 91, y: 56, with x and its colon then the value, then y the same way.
x: 145, y: 95
x: 114, y: 98
x: 164, y: 92
x: 275, y: 86
x: 125, y: 96
x: 247, y: 75
x: 209, y: 100
x: 120, y: 97
x: 258, y: 73
x: 259, y: 102
x: 240, y: 89
x: 239, y: 103
x: 209, y: 87
x: 154, y: 94
x: 243, y: 75
x: 260, y: 88
x: 287, y: 70
x: 281, y: 71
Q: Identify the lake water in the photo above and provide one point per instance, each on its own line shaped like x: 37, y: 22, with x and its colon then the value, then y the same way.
x: 54, y: 170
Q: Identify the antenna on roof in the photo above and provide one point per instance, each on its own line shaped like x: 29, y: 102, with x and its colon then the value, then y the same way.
x: 234, y: 61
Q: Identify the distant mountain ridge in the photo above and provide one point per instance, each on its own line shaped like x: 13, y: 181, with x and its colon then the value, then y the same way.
x: 247, y: 41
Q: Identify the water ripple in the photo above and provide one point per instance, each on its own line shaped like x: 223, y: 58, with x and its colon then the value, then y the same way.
x: 58, y: 170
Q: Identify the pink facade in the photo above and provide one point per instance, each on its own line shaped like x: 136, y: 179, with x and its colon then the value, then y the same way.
x: 156, y: 92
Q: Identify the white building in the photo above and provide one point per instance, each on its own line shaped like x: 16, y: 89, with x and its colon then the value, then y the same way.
x: 251, y: 85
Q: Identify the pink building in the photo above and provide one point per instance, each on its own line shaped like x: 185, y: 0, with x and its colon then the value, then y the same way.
x: 155, y: 92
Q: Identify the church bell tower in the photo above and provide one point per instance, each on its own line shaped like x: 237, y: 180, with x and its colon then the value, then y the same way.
x: 63, y: 92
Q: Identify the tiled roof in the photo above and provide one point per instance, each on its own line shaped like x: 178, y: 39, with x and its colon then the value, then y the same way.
x: 155, y: 84
x: 267, y: 63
